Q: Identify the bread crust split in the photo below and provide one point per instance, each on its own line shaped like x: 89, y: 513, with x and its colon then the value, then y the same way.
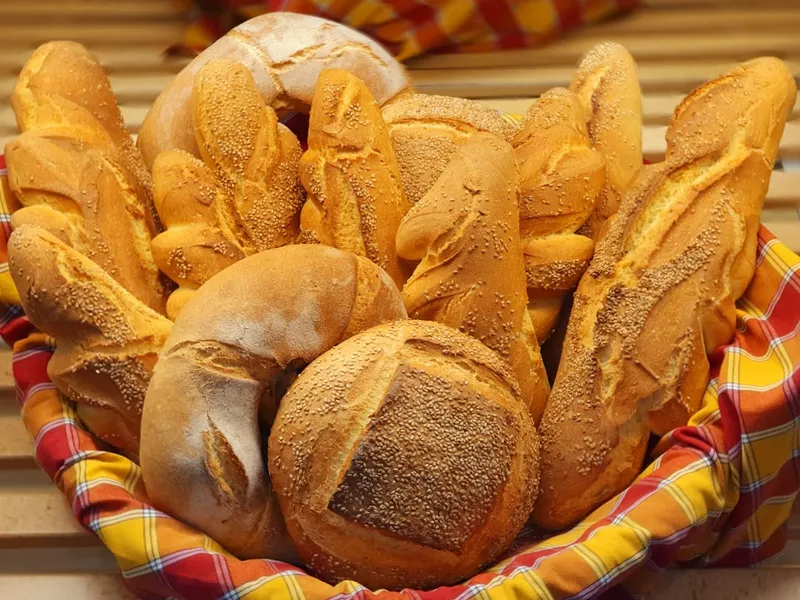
x: 285, y: 53
x: 76, y: 172
x: 232, y: 351
x: 351, y: 174
x: 243, y: 197
x: 561, y: 177
x: 426, y: 131
x: 107, y: 341
x: 465, y: 233
x: 660, y: 291
x: 404, y: 457
x: 607, y: 85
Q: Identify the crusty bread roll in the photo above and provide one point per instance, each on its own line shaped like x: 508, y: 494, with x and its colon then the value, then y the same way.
x: 285, y: 52
x: 64, y: 90
x: 660, y: 291
x: 351, y: 175
x: 404, y: 457
x: 560, y: 178
x: 244, y: 197
x: 231, y: 351
x: 76, y: 172
x: 465, y: 231
x: 107, y: 341
x: 608, y: 86
x: 426, y: 130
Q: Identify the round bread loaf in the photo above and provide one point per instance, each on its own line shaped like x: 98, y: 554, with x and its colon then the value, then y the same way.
x: 426, y: 130
x: 285, y: 52
x: 232, y: 351
x: 404, y: 457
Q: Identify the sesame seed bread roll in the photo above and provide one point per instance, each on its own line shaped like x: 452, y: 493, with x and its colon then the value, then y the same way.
x: 660, y: 291
x: 285, y: 53
x: 351, y: 175
x: 107, y: 341
x: 608, y: 86
x: 404, y: 457
x: 75, y: 171
x: 465, y: 232
x: 560, y: 179
x: 234, y: 348
x: 243, y: 197
x: 426, y: 131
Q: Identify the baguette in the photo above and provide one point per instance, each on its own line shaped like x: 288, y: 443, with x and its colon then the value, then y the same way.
x: 471, y: 277
x: 285, y: 53
x: 608, y: 86
x: 351, y: 175
x: 244, y: 197
x: 107, y: 341
x: 76, y: 172
x: 660, y: 291
x: 426, y: 131
x: 561, y: 177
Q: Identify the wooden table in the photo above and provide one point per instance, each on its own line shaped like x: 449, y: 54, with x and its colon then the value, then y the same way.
x: 678, y: 45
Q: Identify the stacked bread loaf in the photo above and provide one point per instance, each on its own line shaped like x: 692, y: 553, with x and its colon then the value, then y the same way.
x: 280, y: 399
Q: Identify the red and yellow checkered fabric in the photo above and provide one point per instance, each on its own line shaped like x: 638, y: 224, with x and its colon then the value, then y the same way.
x: 718, y: 491
x: 412, y: 27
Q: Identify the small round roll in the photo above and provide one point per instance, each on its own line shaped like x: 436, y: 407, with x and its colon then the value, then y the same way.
x: 404, y: 457
x: 232, y: 352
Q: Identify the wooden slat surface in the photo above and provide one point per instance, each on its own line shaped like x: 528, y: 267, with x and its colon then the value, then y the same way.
x: 678, y: 45
x: 38, y: 11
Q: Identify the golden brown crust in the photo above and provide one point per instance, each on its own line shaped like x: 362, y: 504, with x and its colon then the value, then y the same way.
x: 608, y: 86
x: 233, y: 347
x: 285, y: 52
x: 244, y: 197
x: 426, y: 131
x: 660, y: 290
x: 76, y: 172
x: 561, y: 177
x: 471, y: 276
x: 404, y: 457
x: 351, y: 175
x: 107, y: 341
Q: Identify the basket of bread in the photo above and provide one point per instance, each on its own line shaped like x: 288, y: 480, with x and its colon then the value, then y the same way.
x: 422, y: 349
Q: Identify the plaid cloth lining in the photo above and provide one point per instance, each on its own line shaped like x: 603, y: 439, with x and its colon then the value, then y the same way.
x: 719, y: 491
x: 409, y: 28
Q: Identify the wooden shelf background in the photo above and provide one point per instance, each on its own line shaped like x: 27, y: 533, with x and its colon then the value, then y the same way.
x: 678, y: 45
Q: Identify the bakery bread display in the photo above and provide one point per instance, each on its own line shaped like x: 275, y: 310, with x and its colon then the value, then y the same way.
x: 608, y: 87
x: 285, y: 53
x: 286, y: 406
x: 465, y: 232
x: 107, y: 340
x: 404, y: 457
x: 76, y: 172
x: 560, y: 178
x: 243, y: 197
x: 659, y: 293
x: 233, y: 350
x: 426, y: 131
x: 351, y: 175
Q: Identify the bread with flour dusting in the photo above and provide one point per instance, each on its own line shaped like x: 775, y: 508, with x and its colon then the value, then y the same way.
x: 659, y: 293
x: 285, y: 52
x: 107, y: 341
x: 232, y: 352
x: 404, y: 457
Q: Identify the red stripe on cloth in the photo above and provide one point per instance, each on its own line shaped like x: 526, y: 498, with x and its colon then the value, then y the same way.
x: 500, y: 17
x: 570, y: 13
x: 413, y: 11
